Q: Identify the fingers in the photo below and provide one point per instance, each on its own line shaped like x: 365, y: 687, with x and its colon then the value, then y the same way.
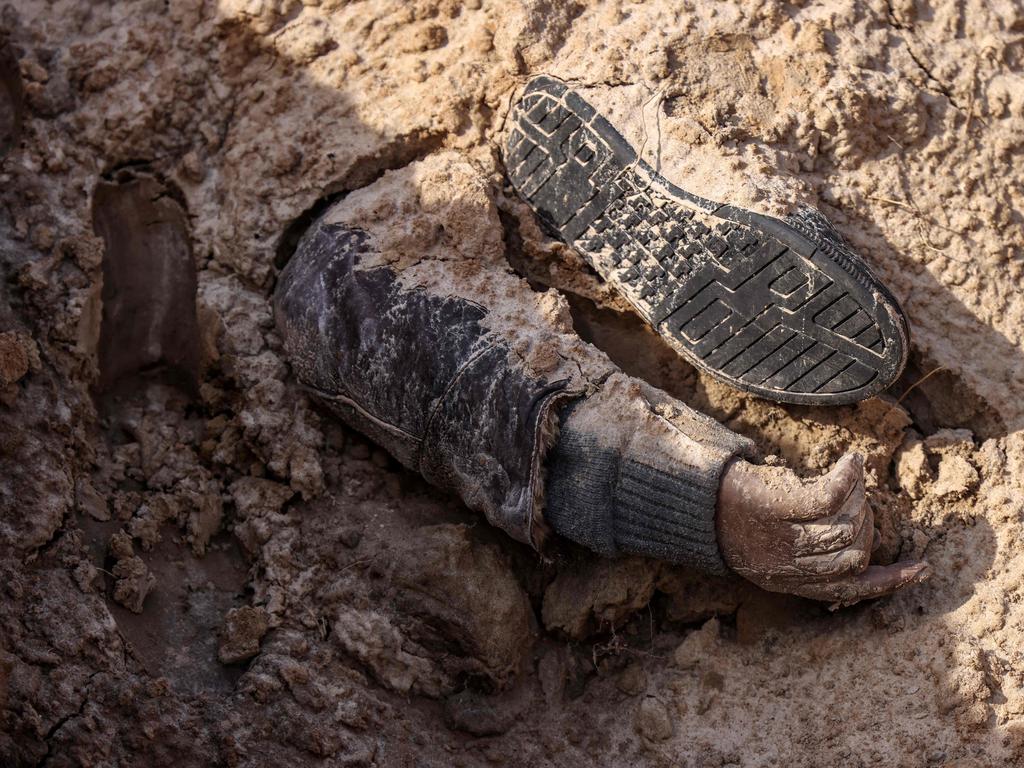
x: 832, y: 491
x: 852, y: 539
x: 852, y: 526
x: 834, y: 565
x: 835, y: 532
x: 876, y: 581
x: 822, y: 550
x: 821, y: 538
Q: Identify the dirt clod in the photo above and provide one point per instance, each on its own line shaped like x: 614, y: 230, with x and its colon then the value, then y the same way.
x: 632, y: 680
x: 483, y: 715
x: 133, y: 578
x: 597, y: 595
x: 394, y: 613
x: 243, y: 629
x: 652, y: 720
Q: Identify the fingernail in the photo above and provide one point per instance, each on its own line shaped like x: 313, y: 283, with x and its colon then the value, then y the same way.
x: 917, y: 572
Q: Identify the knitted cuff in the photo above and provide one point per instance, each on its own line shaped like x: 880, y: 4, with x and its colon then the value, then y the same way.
x: 668, y: 516
x: 614, y: 504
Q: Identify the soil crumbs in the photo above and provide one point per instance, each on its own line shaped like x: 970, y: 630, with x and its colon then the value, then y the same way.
x: 200, y: 568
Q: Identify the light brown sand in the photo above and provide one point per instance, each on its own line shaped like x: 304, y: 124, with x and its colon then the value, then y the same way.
x: 903, y: 121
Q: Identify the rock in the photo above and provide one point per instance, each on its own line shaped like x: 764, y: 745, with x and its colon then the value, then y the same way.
x: 350, y: 537
x: 18, y: 355
x: 653, y: 721
x: 243, y: 629
x: 598, y: 594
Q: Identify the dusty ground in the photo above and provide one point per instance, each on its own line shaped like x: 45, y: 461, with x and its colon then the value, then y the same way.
x: 202, y: 569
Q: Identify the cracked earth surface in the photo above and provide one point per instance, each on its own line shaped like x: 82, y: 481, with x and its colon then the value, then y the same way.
x: 199, y: 567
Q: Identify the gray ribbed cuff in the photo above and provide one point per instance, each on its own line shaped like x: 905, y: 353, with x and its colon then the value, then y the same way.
x: 668, y: 516
x: 614, y: 504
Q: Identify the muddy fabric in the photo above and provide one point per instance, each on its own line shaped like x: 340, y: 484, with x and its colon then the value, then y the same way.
x: 444, y: 385
x: 419, y: 374
x: 614, y: 504
x: 616, y: 491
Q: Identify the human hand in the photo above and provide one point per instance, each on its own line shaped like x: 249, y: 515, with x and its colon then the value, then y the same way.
x: 812, y: 538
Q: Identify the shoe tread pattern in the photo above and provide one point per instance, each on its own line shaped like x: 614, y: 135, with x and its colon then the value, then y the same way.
x: 769, y: 306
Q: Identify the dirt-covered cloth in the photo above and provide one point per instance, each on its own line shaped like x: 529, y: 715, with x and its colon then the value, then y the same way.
x: 467, y: 396
x: 419, y: 373
x: 636, y: 472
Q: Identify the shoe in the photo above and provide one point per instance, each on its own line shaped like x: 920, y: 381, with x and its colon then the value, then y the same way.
x: 781, y: 308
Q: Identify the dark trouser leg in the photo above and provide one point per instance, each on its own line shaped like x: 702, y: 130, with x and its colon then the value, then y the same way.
x: 460, y: 370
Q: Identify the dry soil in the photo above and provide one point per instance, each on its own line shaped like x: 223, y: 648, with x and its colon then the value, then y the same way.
x: 198, y: 567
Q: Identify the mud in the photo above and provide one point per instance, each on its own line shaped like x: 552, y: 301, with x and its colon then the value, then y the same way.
x: 304, y: 601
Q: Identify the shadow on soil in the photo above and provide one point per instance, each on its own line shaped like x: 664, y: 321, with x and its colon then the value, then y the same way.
x: 174, y: 637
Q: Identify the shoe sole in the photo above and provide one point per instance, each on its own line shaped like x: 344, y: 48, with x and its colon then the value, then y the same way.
x: 782, y: 309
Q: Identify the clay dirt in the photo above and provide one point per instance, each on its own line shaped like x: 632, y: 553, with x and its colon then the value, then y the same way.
x: 199, y: 566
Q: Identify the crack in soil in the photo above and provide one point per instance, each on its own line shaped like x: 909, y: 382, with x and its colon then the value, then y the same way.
x: 940, y: 87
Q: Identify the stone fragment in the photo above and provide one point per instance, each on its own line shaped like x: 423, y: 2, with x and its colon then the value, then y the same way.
x: 632, y: 680
x: 18, y: 355
x: 483, y: 715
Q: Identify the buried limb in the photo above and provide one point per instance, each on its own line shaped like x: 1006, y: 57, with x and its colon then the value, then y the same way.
x: 470, y: 378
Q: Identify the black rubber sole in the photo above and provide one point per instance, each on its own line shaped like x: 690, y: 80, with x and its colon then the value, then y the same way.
x: 780, y: 308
